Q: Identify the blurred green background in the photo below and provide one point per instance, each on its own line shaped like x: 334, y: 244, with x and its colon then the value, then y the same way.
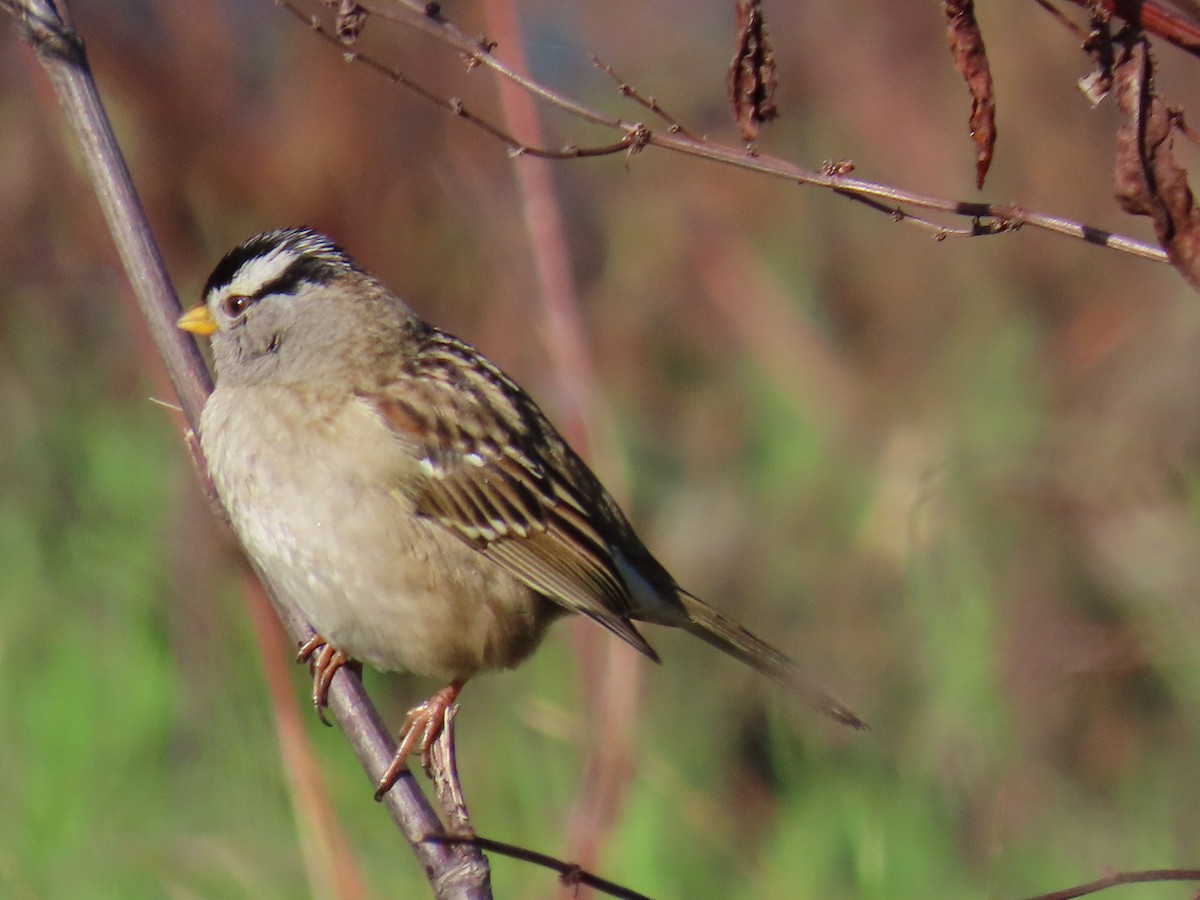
x: 958, y: 479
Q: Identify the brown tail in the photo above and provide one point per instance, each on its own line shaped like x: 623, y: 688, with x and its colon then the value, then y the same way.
x: 709, y: 625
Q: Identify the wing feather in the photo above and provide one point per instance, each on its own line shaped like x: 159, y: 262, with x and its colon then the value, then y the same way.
x: 497, y: 475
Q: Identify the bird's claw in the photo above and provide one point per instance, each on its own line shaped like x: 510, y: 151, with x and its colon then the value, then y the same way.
x: 326, y: 660
x: 422, y: 727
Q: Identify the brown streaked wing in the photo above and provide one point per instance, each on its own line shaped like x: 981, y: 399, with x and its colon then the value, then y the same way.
x: 490, y: 476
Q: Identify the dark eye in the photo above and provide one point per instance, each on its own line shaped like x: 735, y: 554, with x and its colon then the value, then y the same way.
x: 236, y: 304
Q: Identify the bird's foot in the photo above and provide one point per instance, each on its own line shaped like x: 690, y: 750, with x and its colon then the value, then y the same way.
x: 421, y: 728
x: 326, y: 660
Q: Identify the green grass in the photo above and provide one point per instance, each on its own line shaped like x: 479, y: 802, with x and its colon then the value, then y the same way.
x: 139, y: 758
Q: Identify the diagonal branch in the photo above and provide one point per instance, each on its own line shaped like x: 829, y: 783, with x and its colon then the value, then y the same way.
x: 1115, y: 879
x: 569, y: 874
x: 455, y: 873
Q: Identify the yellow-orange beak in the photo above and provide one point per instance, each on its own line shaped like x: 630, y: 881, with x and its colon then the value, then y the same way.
x: 197, y: 320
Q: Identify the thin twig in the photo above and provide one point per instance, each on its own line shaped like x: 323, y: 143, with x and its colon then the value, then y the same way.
x: 1114, y: 879
x: 1074, y: 27
x: 569, y: 873
x: 461, y: 834
x: 897, y: 203
x: 59, y: 49
x: 478, y: 52
x: 632, y: 141
x: 627, y: 90
x: 980, y: 225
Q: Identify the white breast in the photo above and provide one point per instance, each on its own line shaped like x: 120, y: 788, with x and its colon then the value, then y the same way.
x: 314, y: 492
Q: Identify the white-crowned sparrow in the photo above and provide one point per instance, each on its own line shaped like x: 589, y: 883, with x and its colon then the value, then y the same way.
x: 409, y: 496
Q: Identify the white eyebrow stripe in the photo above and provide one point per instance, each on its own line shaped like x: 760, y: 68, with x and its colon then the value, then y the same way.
x: 260, y: 271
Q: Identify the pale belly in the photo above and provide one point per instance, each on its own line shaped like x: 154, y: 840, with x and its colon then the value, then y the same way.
x: 327, y: 524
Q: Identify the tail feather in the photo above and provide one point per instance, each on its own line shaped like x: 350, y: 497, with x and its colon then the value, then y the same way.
x: 724, y: 634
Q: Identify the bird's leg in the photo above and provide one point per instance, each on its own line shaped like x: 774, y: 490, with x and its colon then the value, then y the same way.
x: 421, y: 728
x: 326, y: 660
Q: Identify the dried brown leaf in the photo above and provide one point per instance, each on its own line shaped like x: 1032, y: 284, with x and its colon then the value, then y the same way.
x: 1149, y: 181
x: 970, y: 58
x: 752, y: 78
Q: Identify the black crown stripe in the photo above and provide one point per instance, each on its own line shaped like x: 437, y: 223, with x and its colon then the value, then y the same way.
x: 318, y: 259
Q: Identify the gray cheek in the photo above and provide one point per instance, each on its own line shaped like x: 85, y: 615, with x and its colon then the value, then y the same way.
x: 242, y: 355
x: 258, y: 343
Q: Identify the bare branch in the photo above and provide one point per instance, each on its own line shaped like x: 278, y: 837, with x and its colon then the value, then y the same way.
x: 1118, y: 878
x: 60, y: 51
x: 569, y: 873
x: 628, y: 90
x: 1062, y: 19
x: 456, y: 106
x: 897, y: 203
